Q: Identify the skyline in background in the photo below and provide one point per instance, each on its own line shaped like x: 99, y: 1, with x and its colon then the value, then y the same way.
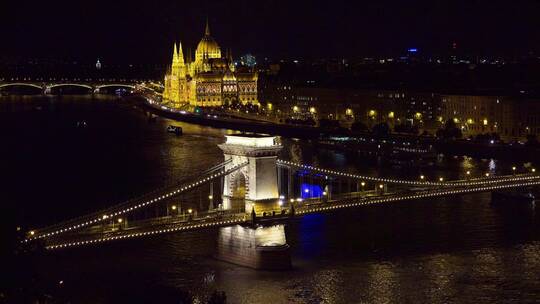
x: 143, y: 32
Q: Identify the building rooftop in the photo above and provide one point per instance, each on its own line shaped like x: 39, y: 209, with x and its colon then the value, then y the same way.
x: 251, y: 140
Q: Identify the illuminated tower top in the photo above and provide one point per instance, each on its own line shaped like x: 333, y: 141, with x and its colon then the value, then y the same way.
x: 207, y: 47
x: 175, y: 53
x: 177, y: 68
x: 207, y: 30
x: 179, y: 54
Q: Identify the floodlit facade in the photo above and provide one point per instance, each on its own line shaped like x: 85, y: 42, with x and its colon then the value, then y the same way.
x: 513, y: 118
x: 210, y: 80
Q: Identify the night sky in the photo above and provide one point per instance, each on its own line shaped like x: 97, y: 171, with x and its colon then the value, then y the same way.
x: 143, y: 31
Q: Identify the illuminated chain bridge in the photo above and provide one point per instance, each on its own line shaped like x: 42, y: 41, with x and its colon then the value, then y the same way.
x: 252, y: 188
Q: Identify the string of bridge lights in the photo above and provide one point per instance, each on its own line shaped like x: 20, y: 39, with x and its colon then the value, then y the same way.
x: 368, y: 201
x: 147, y: 233
x: 306, y: 210
x: 476, y: 181
x: 127, y: 209
x: 332, y: 172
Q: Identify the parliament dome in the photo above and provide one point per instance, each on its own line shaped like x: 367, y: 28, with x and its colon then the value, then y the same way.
x: 207, y: 47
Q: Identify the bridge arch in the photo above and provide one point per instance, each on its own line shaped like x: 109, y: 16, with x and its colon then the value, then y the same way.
x: 115, y: 85
x: 80, y: 85
x: 239, y: 185
x: 21, y: 84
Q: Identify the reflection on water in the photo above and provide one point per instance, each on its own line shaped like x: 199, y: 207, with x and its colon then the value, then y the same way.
x: 454, y: 249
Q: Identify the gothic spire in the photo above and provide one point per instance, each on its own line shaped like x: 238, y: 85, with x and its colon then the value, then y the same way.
x: 175, y: 53
x: 180, y: 54
x: 207, y: 30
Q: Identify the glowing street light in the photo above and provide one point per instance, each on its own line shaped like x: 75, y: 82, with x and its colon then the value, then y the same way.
x: 487, y: 174
x: 422, y: 177
x: 306, y: 190
x: 533, y: 170
x: 32, y: 232
x: 120, y: 220
x: 173, y: 207
x: 190, y: 211
x: 441, y: 179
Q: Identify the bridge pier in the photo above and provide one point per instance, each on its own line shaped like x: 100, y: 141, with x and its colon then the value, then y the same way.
x: 256, y: 247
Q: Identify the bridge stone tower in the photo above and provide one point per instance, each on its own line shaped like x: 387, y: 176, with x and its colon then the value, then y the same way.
x: 254, y: 185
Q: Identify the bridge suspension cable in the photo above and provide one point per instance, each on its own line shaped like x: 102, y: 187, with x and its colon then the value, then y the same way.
x: 470, y: 182
x: 136, y: 203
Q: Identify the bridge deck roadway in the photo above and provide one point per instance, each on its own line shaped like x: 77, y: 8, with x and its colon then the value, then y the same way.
x: 101, y: 234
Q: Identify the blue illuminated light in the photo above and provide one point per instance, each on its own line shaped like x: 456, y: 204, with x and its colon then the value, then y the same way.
x: 309, y: 191
x: 413, y: 50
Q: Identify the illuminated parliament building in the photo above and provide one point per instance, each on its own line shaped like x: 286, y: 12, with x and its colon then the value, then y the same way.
x: 210, y: 80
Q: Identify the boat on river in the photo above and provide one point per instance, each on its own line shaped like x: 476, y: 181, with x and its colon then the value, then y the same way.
x: 174, y: 129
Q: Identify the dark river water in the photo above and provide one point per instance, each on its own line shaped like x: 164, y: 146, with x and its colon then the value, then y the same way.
x: 448, y: 250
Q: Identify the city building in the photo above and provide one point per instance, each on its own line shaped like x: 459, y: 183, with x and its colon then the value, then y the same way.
x: 395, y: 107
x: 209, y: 80
x: 512, y: 118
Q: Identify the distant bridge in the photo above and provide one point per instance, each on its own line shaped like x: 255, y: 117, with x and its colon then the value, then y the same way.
x: 47, y: 87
